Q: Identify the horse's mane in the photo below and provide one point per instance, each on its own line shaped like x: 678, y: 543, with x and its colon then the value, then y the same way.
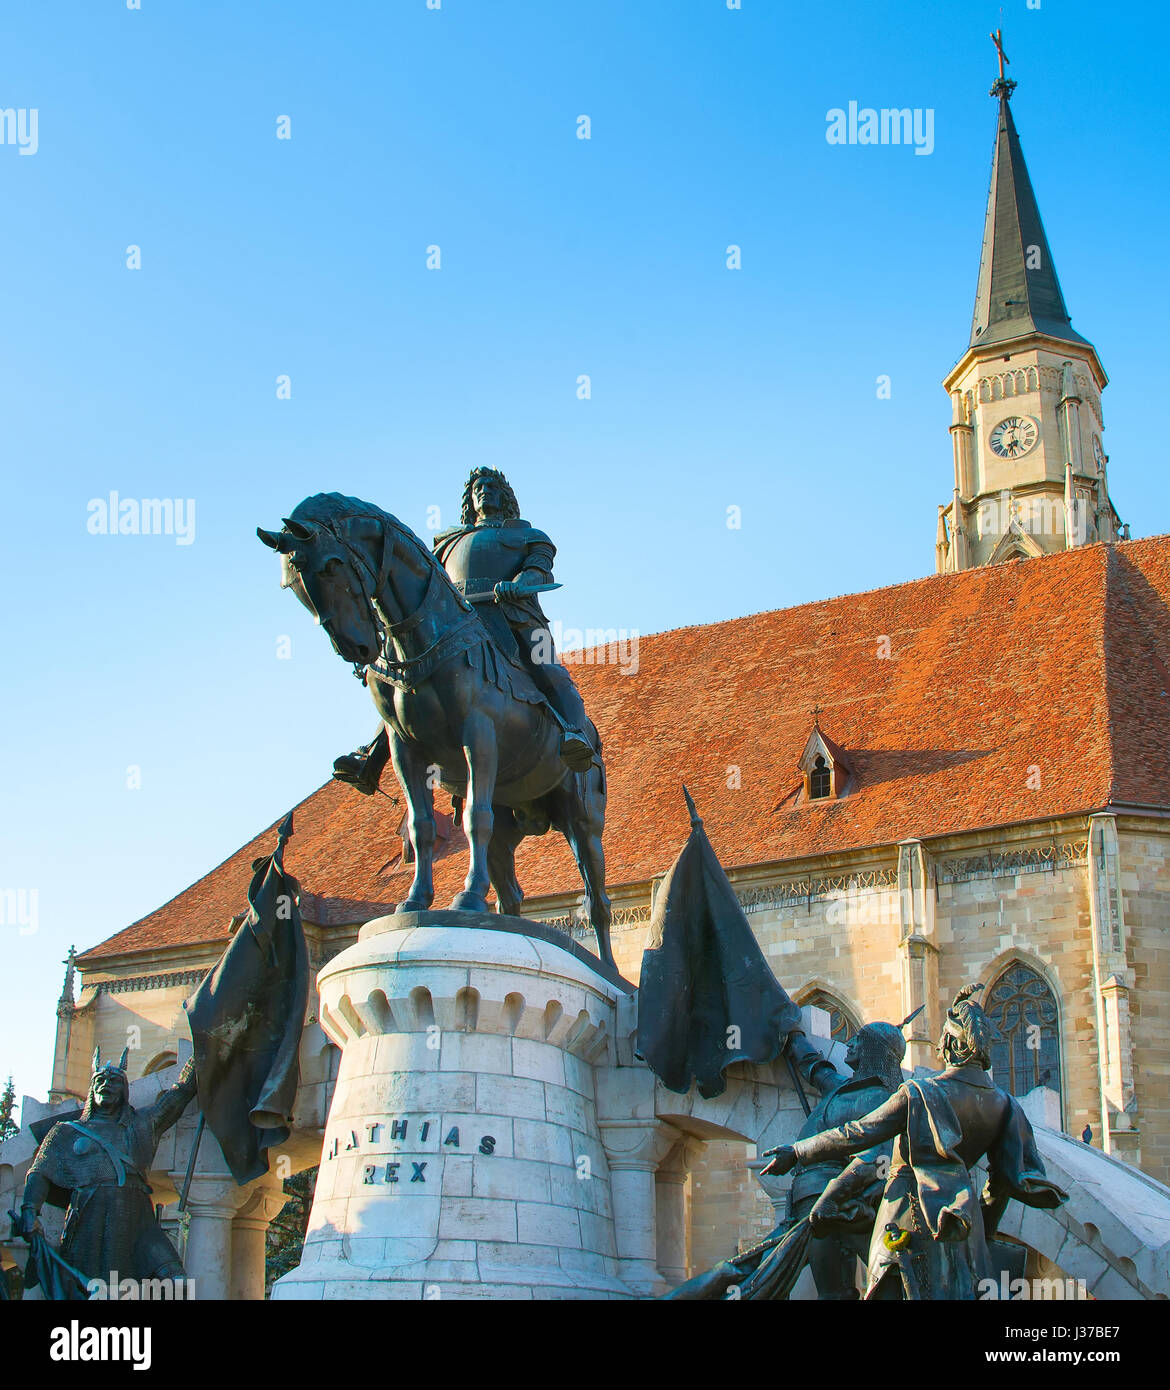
x: 334, y: 509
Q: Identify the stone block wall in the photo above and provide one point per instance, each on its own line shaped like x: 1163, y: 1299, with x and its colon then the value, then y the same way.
x: 729, y: 1208
x: 1042, y: 919
x: 1145, y: 886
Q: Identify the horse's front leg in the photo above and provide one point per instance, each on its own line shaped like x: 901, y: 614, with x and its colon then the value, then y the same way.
x: 411, y: 770
x: 479, y: 748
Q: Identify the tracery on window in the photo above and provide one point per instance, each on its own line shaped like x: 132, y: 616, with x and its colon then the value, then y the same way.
x: 841, y: 1024
x: 1027, y: 1052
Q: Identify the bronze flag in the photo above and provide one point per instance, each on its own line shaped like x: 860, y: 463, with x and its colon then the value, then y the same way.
x: 707, y: 996
x: 246, y: 1020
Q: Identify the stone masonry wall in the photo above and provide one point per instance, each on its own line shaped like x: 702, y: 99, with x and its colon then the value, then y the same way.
x: 1145, y: 886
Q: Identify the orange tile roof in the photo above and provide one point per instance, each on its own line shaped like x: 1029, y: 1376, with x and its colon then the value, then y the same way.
x: 1060, y: 664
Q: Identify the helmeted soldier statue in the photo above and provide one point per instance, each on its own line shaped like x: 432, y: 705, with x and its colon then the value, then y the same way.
x: 98, y: 1165
x: 501, y: 564
x: 874, y: 1055
x: 932, y: 1230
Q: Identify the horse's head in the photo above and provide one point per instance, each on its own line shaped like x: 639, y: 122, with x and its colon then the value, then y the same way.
x: 328, y: 566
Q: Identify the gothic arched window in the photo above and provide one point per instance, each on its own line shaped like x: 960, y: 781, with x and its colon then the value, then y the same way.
x: 1027, y: 1052
x: 820, y: 782
x: 841, y: 1026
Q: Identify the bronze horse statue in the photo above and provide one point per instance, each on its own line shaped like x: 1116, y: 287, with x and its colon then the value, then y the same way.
x: 450, y: 699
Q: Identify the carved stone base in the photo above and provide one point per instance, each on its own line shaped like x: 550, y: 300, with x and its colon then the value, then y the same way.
x: 462, y: 1156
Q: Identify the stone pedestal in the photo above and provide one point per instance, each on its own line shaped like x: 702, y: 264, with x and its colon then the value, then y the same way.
x: 462, y: 1157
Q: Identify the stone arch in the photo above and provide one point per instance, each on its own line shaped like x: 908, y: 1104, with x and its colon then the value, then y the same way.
x: 1020, y: 956
x: 160, y: 1062
x: 758, y: 1104
x: 1015, y: 544
x: 759, y: 1107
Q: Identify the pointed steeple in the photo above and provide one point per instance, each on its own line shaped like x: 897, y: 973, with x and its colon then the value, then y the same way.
x: 1018, y: 292
x: 1029, y: 463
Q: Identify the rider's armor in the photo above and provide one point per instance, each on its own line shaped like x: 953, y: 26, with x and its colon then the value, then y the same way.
x: 477, y: 558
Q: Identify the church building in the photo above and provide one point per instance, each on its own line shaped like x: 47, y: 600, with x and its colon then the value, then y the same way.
x: 964, y: 777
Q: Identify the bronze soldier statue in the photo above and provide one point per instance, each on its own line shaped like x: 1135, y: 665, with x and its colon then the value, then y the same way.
x: 501, y: 564
x: 97, y: 1164
x: 873, y: 1055
x: 930, y: 1239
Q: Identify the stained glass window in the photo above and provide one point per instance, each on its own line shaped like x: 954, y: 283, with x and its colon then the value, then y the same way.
x: 1027, y: 1052
x: 841, y: 1026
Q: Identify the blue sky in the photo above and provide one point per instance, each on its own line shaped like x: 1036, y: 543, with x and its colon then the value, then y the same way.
x: 711, y: 388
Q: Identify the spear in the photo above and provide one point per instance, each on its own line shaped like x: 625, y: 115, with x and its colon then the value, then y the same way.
x: 191, y: 1161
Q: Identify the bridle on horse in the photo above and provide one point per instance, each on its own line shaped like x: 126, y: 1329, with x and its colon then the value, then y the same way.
x: 401, y: 671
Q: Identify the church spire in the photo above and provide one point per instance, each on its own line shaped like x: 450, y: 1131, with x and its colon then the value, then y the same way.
x: 66, y: 1003
x: 1018, y: 293
x: 1026, y: 423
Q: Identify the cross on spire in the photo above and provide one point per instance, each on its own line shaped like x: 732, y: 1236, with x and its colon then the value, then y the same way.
x: 1003, y: 86
x: 66, y: 1001
x: 997, y: 39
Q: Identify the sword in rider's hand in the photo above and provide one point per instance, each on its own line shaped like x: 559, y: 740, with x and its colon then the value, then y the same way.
x: 490, y: 595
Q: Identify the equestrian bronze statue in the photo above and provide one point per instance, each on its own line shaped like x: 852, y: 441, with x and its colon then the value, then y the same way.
x: 460, y: 665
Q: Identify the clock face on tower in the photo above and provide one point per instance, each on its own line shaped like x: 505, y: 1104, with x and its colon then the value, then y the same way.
x: 1013, y: 437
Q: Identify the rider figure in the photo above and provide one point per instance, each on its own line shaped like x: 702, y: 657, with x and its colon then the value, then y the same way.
x: 495, y: 559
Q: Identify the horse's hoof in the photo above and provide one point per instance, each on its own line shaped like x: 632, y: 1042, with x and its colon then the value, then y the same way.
x: 413, y: 905
x: 469, y: 902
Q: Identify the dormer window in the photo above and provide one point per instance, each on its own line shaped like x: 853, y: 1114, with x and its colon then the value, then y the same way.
x: 824, y: 766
